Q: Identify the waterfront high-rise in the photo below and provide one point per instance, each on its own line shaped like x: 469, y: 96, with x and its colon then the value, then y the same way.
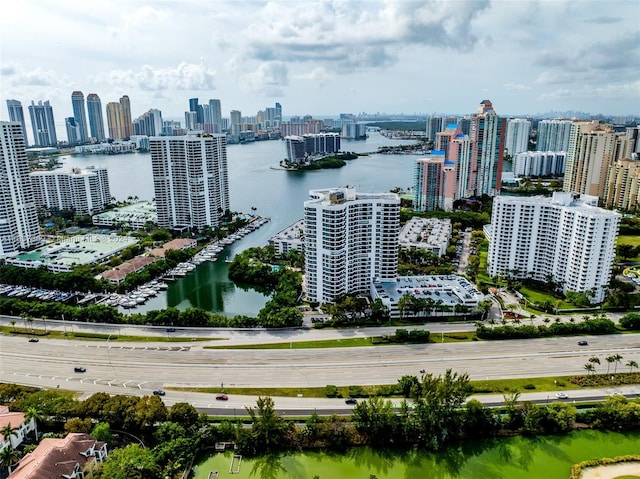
x: 565, y: 239
x: 190, y: 180
x: 73, y: 131
x: 16, y: 113
x: 96, y: 121
x: 351, y: 239
x: 593, y: 148
x: 553, y: 135
x: 125, y: 111
x: 19, y: 228
x: 114, y: 120
x: 434, y: 186
x: 86, y: 191
x: 487, y: 149
x: 43, y: 124
x: 149, y: 123
x: 517, y: 139
x: 434, y: 126
x: 80, y: 115
x: 622, y: 187
x: 215, y: 113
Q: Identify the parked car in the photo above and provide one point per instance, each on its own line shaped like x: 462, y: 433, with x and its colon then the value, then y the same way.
x: 33, y: 340
x: 79, y: 369
x: 351, y: 401
x: 171, y: 330
x: 222, y: 397
x: 158, y: 392
x: 562, y: 396
x: 583, y: 343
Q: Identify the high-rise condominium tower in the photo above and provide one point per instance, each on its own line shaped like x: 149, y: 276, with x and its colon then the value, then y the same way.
x: 434, y: 183
x: 19, y: 227
x: 350, y: 239
x: 84, y: 190
x: 16, y: 113
x: 553, y: 135
x: 215, y: 113
x: 566, y: 239
x: 190, y: 180
x: 593, y: 148
x: 487, y: 149
x: 518, y: 131
x: 125, y: 111
x: 96, y: 122
x: 80, y: 115
x: 44, y: 127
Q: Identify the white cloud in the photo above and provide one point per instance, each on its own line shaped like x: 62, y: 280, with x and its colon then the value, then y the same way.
x: 184, y: 76
x: 516, y: 86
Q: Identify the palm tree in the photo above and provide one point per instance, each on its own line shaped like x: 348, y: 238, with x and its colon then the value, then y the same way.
x: 8, y: 457
x: 546, y: 320
x: 590, y: 368
x: 616, y: 358
x: 593, y: 360
x: 34, y: 413
x: 13, y: 324
x: 632, y: 364
x: 8, y: 431
x: 610, y: 359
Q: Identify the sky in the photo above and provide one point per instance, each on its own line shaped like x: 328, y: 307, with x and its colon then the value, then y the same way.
x: 324, y: 58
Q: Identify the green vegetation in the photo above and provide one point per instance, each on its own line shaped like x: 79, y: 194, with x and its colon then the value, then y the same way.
x: 576, y: 469
x: 587, y: 326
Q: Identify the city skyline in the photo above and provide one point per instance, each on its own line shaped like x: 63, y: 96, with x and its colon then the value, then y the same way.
x: 324, y: 58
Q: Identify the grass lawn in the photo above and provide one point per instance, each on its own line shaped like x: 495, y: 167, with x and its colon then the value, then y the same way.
x: 350, y: 342
x: 40, y: 333
x: 633, y: 240
x: 496, y: 386
x: 535, y: 296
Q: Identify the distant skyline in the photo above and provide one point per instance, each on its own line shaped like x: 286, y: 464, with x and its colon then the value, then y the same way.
x: 325, y: 58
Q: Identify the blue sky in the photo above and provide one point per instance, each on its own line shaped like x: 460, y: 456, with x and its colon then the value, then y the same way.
x: 325, y: 57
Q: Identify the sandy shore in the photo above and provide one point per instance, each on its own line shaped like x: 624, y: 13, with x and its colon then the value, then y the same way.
x: 611, y: 471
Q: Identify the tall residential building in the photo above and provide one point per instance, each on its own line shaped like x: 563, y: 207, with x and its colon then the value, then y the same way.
x: 190, y: 180
x: 566, y: 239
x: 539, y: 163
x: 73, y: 131
x: 460, y: 154
x: 19, y: 228
x: 125, y: 111
x: 96, y: 121
x: 487, y: 149
x: 80, y: 115
x: 149, y: 124
x: 593, y: 148
x: 16, y: 113
x: 518, y: 132
x: 215, y: 112
x: 115, y: 121
x: 553, y: 135
x: 434, y: 126
x: 43, y: 124
x: 351, y: 239
x: 86, y: 191
x: 434, y: 186
x: 235, y: 121
x: 622, y: 187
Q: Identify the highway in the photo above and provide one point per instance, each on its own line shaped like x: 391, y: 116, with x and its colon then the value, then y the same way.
x: 139, y: 368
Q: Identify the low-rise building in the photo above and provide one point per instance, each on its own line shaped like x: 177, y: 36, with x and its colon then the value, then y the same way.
x: 15, y: 420
x: 431, y: 234
x: 70, y: 458
x: 290, y: 238
x: 449, y: 295
x: 135, y: 216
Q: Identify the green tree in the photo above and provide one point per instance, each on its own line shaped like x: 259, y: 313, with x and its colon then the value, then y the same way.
x: 268, y: 429
x: 631, y: 364
x: 184, y: 414
x: 102, y: 432
x: 375, y: 420
x: 131, y: 462
x: 9, y: 431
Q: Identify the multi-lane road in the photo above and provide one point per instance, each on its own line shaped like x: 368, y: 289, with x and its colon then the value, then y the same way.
x: 139, y: 368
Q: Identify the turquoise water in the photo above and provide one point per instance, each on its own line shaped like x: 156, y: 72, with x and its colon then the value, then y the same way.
x: 543, y: 457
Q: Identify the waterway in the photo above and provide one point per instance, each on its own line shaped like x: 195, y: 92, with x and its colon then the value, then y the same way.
x: 547, y: 457
x: 254, y: 181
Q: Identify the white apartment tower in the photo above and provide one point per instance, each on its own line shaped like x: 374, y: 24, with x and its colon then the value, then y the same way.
x: 19, y: 228
x: 518, y: 131
x: 190, y: 180
x: 566, y: 239
x: 553, y: 135
x: 351, y: 239
x: 84, y: 190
